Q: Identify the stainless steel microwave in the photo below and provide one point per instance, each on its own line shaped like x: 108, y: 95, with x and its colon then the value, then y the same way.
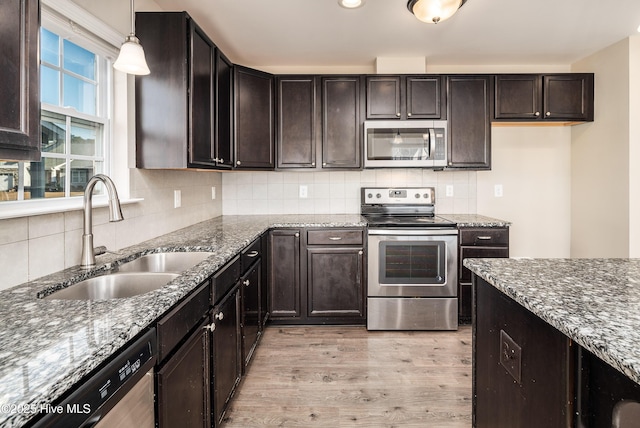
x: 405, y: 143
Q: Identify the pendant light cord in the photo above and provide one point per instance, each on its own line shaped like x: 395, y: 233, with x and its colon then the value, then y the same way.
x: 133, y: 20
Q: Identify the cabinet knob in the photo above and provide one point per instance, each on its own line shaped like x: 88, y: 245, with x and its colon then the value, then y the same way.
x: 408, y: 114
x: 210, y: 327
x: 221, y: 160
x: 536, y: 114
x: 313, y: 164
x: 324, y: 164
x: 397, y: 114
x: 297, y: 235
x: 360, y: 252
x: 246, y: 282
x: 238, y: 163
x: 219, y: 316
x: 548, y: 114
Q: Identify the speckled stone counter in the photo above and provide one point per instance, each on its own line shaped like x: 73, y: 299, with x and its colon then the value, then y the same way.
x: 47, y: 346
x: 474, y: 220
x: 595, y: 302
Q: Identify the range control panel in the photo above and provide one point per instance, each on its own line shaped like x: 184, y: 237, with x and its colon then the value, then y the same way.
x: 398, y: 195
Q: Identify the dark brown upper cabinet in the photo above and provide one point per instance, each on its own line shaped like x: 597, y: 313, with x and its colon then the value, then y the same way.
x: 20, y: 80
x: 544, y: 97
x: 254, y: 119
x: 469, y: 102
x: 175, y: 104
x: 297, y: 127
x: 341, y: 122
x: 224, y: 111
x: 405, y: 97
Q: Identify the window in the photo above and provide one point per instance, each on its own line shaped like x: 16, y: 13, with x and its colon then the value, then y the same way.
x: 76, y: 84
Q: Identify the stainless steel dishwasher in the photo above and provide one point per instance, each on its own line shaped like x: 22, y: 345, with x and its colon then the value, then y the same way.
x: 121, y: 394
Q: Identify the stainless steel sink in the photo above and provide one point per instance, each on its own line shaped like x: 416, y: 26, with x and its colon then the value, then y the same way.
x: 114, y: 286
x: 165, y: 262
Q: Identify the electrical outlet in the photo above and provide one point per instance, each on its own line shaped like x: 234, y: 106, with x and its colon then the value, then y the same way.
x: 497, y: 191
x: 213, y: 192
x: 304, y: 191
x: 177, y: 199
x: 449, y: 190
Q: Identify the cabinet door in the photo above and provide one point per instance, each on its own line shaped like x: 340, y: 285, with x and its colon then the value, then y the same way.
x: 251, y: 283
x: 224, y: 111
x: 183, y: 384
x: 425, y: 97
x: 284, y: 276
x: 341, y: 124
x: 225, y: 351
x: 20, y: 80
x: 518, y: 96
x: 568, y: 97
x: 201, y: 87
x: 296, y: 130
x: 383, y: 97
x: 469, y: 110
x: 254, y: 122
x: 334, y: 282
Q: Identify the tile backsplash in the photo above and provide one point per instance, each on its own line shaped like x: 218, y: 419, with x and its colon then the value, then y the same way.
x: 338, y: 192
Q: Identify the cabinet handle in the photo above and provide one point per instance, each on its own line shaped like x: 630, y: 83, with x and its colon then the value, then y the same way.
x: 252, y: 254
x: 536, y: 114
x: 210, y: 327
x: 246, y: 282
x: 219, y: 316
x: 548, y: 114
x: 238, y: 163
x: 484, y: 238
x: 335, y: 238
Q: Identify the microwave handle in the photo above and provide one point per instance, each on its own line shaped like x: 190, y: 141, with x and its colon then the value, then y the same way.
x: 432, y: 142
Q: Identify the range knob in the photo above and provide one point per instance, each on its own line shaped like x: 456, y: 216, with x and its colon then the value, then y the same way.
x: 370, y: 195
x: 426, y: 196
x: 417, y: 195
x: 378, y: 195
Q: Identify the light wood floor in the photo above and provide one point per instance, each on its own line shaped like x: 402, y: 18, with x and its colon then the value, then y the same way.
x: 348, y: 377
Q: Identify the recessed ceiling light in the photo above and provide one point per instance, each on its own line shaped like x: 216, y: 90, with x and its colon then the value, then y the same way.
x: 351, y: 4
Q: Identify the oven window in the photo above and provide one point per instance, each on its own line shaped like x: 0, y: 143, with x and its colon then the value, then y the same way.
x: 412, y: 262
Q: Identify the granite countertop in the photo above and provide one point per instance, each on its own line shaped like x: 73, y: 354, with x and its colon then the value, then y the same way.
x: 474, y: 220
x: 47, y: 346
x: 595, y: 302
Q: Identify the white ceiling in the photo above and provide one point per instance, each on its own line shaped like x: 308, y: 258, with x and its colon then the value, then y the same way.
x: 265, y: 33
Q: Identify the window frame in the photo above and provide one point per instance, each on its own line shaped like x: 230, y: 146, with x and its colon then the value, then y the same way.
x: 71, y: 21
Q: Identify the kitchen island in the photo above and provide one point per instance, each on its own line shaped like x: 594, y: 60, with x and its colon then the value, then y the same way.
x: 534, y: 312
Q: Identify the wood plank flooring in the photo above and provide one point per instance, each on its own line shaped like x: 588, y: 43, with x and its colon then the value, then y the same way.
x: 348, y: 377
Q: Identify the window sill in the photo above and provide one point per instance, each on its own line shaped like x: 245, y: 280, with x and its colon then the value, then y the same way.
x: 33, y: 208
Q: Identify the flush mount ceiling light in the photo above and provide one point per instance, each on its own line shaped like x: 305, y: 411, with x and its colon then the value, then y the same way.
x: 434, y: 11
x: 351, y: 4
x: 131, y: 59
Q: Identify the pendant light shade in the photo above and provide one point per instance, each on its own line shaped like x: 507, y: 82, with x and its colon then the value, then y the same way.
x: 131, y: 59
x: 434, y: 11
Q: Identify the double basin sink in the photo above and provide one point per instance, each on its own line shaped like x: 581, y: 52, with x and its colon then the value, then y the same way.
x: 142, y: 275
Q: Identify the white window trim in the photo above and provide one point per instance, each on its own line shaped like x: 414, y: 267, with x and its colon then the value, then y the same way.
x: 65, y: 14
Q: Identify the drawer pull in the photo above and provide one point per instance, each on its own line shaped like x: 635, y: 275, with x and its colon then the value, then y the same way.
x: 252, y: 254
x: 484, y: 238
x: 335, y: 238
x: 219, y: 316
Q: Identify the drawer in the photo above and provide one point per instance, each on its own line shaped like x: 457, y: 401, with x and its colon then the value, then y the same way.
x: 478, y: 253
x: 335, y: 236
x: 250, y: 254
x: 489, y: 236
x: 174, y: 326
x: 223, y: 280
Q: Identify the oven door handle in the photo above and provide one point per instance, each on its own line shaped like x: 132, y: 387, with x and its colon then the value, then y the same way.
x: 431, y: 231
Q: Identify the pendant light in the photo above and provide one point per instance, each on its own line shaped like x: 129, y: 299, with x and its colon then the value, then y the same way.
x: 131, y: 59
x: 434, y: 11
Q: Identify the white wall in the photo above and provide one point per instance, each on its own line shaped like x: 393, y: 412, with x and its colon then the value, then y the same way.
x: 634, y: 146
x: 532, y: 164
x: 600, y: 162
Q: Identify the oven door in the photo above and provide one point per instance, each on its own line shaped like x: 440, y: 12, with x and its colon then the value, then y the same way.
x: 412, y: 262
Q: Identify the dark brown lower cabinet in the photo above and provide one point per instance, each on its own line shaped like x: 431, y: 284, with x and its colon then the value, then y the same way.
x: 284, y: 273
x: 251, y: 284
x: 225, y: 347
x: 183, y: 384
x: 335, y: 282
x: 522, y: 367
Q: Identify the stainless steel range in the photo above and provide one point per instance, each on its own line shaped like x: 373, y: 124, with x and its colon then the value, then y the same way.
x: 412, y: 261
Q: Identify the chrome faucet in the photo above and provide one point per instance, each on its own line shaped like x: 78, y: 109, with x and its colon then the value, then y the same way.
x: 115, y: 214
